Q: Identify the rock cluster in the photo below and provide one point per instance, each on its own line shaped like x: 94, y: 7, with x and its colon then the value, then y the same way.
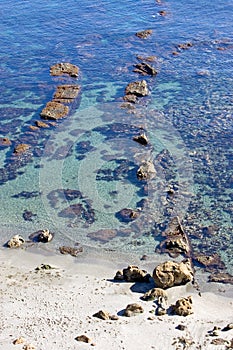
x: 144, y: 34
x: 132, y: 274
x: 135, y: 90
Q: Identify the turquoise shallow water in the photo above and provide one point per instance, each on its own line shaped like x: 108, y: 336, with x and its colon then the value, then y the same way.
x: 187, y: 118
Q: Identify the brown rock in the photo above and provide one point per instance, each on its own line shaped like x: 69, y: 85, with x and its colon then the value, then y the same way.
x: 144, y: 34
x: 66, y: 93
x: 155, y: 293
x: 70, y: 250
x: 4, y: 141
x: 104, y: 235
x: 145, y: 69
x: 33, y: 128
x: 15, y: 242
x: 134, y: 274
x: 19, y: 340
x: 184, y: 46
x: 83, y: 338
x: 174, y: 246
x: 169, y: 274
x: 133, y: 310
x: 127, y: 214
x: 41, y: 124
x: 21, y: 148
x: 162, y: 13
x: 64, y: 68
x: 209, y: 261
x: 147, y: 58
x: 54, y: 111
x: 219, y: 341
x: 137, y: 88
x: 142, y: 139
x: 146, y: 171
x: 103, y: 315
x: 183, y: 307
x: 221, y: 278
x: 130, y: 98
x: 29, y: 347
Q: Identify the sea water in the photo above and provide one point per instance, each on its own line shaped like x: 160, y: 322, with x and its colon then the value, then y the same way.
x: 80, y: 174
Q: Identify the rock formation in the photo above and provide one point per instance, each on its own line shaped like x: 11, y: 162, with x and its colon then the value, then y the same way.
x: 132, y: 274
x: 15, y: 242
x: 54, y: 111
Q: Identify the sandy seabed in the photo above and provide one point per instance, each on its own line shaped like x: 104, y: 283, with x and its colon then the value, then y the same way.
x: 50, y: 308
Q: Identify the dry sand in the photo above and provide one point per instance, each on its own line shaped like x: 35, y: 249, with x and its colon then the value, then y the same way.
x: 50, y: 308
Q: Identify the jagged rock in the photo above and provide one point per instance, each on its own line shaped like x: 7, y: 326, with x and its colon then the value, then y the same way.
x: 104, y: 315
x: 146, y: 171
x: 66, y: 93
x: 137, y: 88
x: 64, y: 68
x: 183, y: 307
x: 133, y: 310
x: 41, y: 124
x: 134, y: 274
x: 43, y: 236
x: 142, y: 139
x: 54, y: 111
x: 144, y: 33
x: 83, y: 338
x: 19, y: 340
x: 69, y: 250
x: 154, y: 293
x: 4, y: 141
x: 21, y: 148
x: 15, y: 242
x: 145, y: 69
x: 169, y: 274
x: 221, y: 278
x: 174, y: 246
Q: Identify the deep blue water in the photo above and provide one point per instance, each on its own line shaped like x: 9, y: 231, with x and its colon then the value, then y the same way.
x: 188, y: 115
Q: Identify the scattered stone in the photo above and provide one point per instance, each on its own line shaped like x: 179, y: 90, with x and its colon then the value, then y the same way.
x: 64, y: 68
x: 148, y: 58
x: 184, y: 46
x: 181, y: 327
x: 133, y: 310
x: 15, y: 242
x: 134, y: 274
x: 228, y: 327
x: 144, y: 34
x: 182, y: 307
x: 104, y: 315
x: 29, y: 347
x: 69, y: 250
x: 137, y: 88
x: 145, y: 69
x: 169, y: 274
x: 219, y: 341
x: 54, y: 111
x: 146, y: 171
x: 19, y: 340
x: 214, y: 332
x: 83, y: 338
x: 221, y: 277
x: 41, y: 124
x: 142, y: 139
x: 28, y: 215
x: 4, y: 141
x: 44, y: 267
x: 21, y: 148
x: 154, y: 293
x: 162, y: 13
x: 66, y: 93
x: 144, y: 257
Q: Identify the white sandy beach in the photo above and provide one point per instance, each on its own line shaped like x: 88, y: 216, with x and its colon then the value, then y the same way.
x: 50, y: 308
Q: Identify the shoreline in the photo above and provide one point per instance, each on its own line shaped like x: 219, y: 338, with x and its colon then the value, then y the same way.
x: 50, y: 308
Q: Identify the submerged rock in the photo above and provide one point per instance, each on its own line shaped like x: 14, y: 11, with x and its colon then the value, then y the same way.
x: 145, y: 69
x: 170, y: 274
x: 133, y: 310
x: 182, y: 307
x: 21, y: 148
x: 144, y: 33
x: 146, y: 171
x: 127, y: 214
x: 15, y: 242
x: 64, y: 68
x: 54, y: 111
x: 70, y: 250
x: 66, y: 93
x: 104, y: 235
x: 4, y: 141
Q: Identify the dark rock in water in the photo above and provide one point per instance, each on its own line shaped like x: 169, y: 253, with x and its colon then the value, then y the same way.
x: 130, y: 98
x: 83, y: 147
x: 70, y: 250
x: 146, y: 171
x: 145, y: 69
x: 27, y: 194
x: 21, y: 148
x: 79, y: 210
x: 104, y: 235
x: 54, y: 111
x: 43, y: 236
x: 127, y: 215
x: 64, y: 69
x: 147, y: 58
x: 66, y: 93
x: 28, y: 215
x: 142, y: 139
x: 209, y: 261
x: 221, y: 277
x: 4, y: 142
x: 184, y: 46
x: 41, y: 124
x: 144, y: 34
x: 137, y: 88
